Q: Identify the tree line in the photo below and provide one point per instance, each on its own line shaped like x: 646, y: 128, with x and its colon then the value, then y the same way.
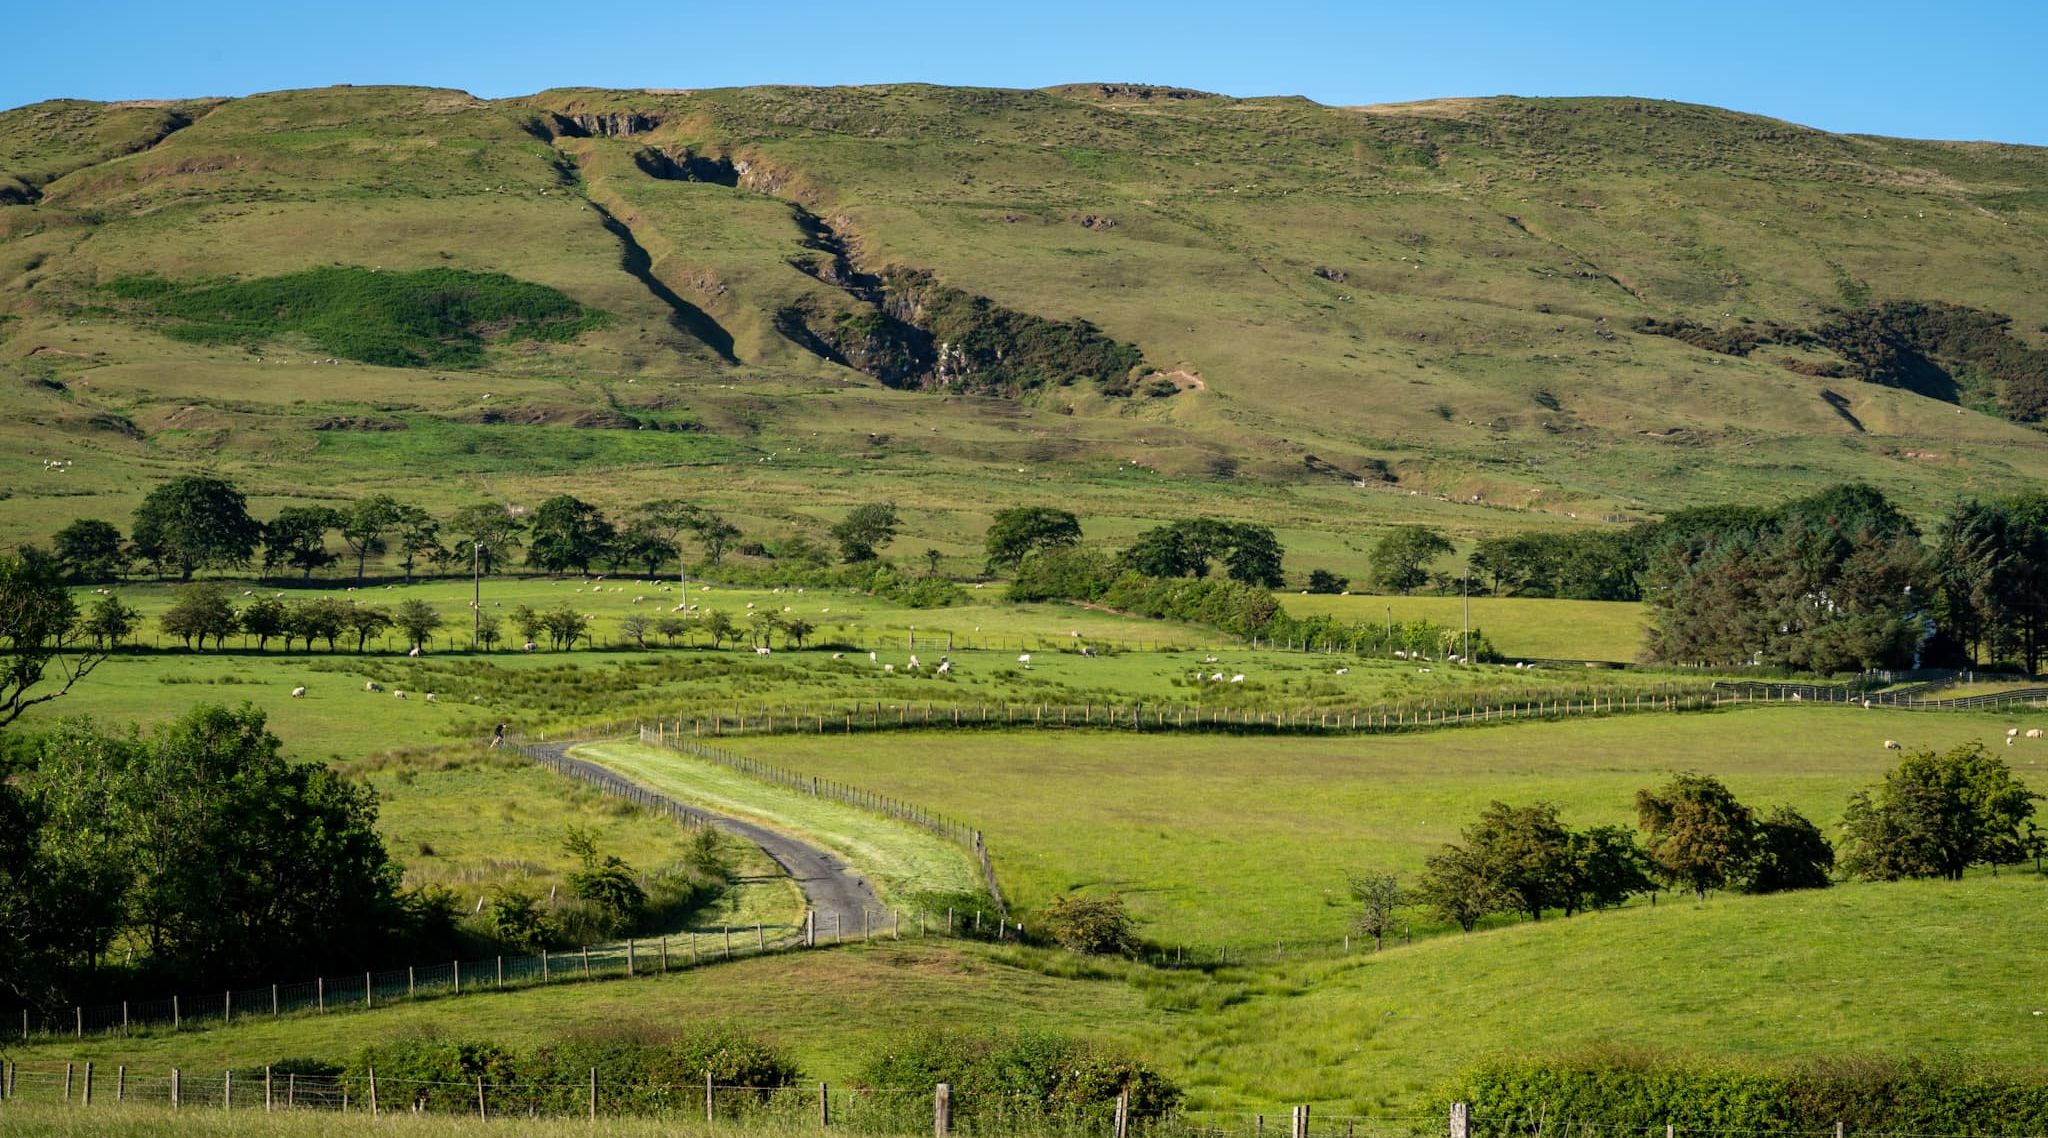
x: 1934, y: 815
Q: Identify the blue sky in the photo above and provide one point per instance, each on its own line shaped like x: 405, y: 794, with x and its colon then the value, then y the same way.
x: 1963, y: 69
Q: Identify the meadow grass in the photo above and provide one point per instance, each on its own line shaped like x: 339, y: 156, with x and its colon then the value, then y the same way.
x: 1248, y: 841
x: 1537, y: 627
x: 1768, y: 979
x: 899, y: 860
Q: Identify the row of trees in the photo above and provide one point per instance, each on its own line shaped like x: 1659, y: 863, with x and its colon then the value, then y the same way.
x: 1934, y: 815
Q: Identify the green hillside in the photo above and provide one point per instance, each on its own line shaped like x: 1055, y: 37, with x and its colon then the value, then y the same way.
x: 1482, y: 314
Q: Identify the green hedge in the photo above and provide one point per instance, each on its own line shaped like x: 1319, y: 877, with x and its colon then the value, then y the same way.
x: 1918, y: 1095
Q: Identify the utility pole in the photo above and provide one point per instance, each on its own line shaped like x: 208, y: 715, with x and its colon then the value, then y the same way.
x: 1468, y: 614
x: 476, y: 592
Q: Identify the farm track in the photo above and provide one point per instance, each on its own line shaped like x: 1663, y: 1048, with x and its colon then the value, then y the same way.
x: 833, y: 889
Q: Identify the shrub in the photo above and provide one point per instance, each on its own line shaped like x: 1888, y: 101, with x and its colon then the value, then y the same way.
x: 1031, y: 1072
x: 1098, y: 926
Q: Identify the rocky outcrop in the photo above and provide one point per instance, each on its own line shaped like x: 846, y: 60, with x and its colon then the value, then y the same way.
x: 604, y: 124
x: 686, y: 166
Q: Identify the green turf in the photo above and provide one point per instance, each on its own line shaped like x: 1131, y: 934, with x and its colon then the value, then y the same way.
x: 1247, y: 842
x: 1769, y: 978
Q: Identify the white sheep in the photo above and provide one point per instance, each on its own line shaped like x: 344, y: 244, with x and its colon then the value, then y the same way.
x: 430, y: 697
x: 373, y: 686
x: 764, y: 651
x: 1024, y: 659
x: 398, y: 692
x: 945, y: 667
x: 2011, y: 731
x: 914, y: 665
x: 299, y: 692
x: 1891, y: 744
x: 1208, y: 659
x: 415, y: 653
x: 2033, y: 732
x: 1238, y: 678
x: 1215, y: 677
x: 871, y: 657
x: 889, y: 669
x: 529, y: 646
x: 1343, y: 671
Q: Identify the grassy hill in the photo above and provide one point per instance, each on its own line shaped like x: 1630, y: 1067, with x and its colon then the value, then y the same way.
x: 796, y: 298
x: 1767, y: 979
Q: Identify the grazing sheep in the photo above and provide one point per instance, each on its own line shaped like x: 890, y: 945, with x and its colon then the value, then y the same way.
x: 914, y: 665
x: 2011, y: 731
x: 398, y: 692
x: 1891, y: 744
x: 299, y: 693
x: 871, y: 657
x: 838, y: 655
x: 529, y: 646
x: 1238, y: 678
x: 1024, y: 659
x: 764, y: 651
x: 1343, y: 671
x: 945, y: 667
x: 1215, y: 677
x: 415, y: 653
x: 889, y: 669
x: 2033, y: 732
x: 1422, y: 671
x: 430, y: 697
x: 1400, y: 655
x: 1208, y: 659
x: 373, y: 686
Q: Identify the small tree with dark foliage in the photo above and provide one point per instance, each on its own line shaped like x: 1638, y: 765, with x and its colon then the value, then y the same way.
x: 1096, y: 926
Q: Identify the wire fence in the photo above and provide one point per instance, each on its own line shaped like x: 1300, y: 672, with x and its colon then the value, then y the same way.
x: 598, y: 1093
x: 1481, y: 708
x: 968, y: 838
x: 1746, y: 691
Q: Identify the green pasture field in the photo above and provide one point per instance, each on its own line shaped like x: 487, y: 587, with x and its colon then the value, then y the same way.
x: 900, y: 861
x: 1248, y: 841
x: 472, y: 820
x: 1537, y: 627
x: 1153, y: 662
x: 1773, y: 978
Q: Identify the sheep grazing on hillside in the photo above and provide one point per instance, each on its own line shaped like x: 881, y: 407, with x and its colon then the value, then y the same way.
x: 529, y: 646
x: 1215, y: 677
x: 430, y: 697
x: 1238, y: 678
x: 2011, y: 731
x: 1891, y: 744
x: 398, y: 693
x: 1343, y: 671
x: 1208, y: 659
x: 298, y: 693
x: 889, y: 669
x: 945, y: 667
x: 373, y: 686
x: 1024, y: 659
x: 415, y: 653
x: 871, y: 657
x: 764, y: 651
x: 914, y: 664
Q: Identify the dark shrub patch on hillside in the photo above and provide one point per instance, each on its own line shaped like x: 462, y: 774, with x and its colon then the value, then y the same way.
x: 1734, y: 340
x: 982, y: 348
x: 1946, y: 351
x: 426, y: 318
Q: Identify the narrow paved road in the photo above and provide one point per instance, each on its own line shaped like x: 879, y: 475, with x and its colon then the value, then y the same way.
x: 838, y: 894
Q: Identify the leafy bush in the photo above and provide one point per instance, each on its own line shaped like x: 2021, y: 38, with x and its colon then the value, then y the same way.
x: 423, y: 318
x: 1628, y: 1091
x: 1039, y: 1073
x: 1097, y: 926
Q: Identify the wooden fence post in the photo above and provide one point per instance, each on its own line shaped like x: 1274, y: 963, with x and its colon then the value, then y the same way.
x: 373, y: 1092
x: 824, y: 1106
x: 121, y: 1083
x: 710, y: 1111
x: 177, y: 1087
x: 269, y: 1103
x: 480, y: 1113
x: 593, y: 1094
x: 227, y: 1090
x: 1123, y: 1113
x: 1461, y: 1118
x: 942, y: 1110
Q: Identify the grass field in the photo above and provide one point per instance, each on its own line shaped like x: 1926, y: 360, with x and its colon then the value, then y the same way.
x: 1536, y: 627
x: 1765, y: 978
x: 1248, y: 842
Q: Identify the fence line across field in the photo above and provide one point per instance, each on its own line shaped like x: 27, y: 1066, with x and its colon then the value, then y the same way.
x: 1746, y: 691
x: 936, y: 1109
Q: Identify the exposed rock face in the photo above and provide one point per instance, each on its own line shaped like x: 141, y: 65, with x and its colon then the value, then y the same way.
x: 604, y: 124
x: 688, y: 166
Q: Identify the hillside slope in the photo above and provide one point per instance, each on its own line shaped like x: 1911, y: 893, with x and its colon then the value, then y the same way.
x: 1581, y: 308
